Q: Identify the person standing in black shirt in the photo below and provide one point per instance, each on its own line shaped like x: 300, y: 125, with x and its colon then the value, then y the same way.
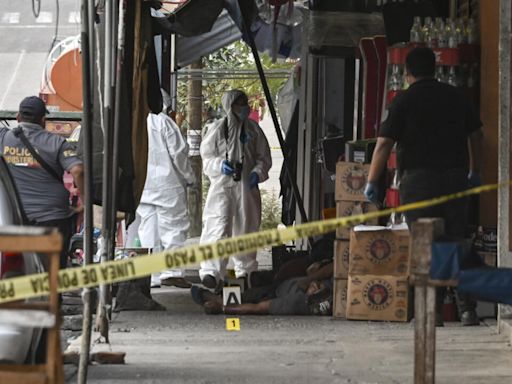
x: 436, y: 128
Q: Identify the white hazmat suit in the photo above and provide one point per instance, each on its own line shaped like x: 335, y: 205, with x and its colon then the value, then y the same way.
x: 232, y: 208
x: 163, y: 205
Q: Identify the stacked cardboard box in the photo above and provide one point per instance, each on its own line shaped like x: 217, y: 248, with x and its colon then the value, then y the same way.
x: 350, y: 182
x: 378, y: 275
x: 486, y: 244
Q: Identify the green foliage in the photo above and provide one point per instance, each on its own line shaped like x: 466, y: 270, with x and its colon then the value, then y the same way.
x: 270, y: 210
x: 270, y: 206
x: 235, y: 57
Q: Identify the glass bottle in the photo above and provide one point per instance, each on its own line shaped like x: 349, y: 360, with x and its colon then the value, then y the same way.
x: 416, y: 31
x: 459, y: 31
x: 452, y: 77
x: 440, y: 76
x: 451, y: 34
x: 438, y: 35
x: 473, y: 74
x: 471, y: 32
x: 426, y: 31
x: 395, y: 80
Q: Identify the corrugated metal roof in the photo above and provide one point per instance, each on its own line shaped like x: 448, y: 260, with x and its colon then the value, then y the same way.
x: 223, y: 33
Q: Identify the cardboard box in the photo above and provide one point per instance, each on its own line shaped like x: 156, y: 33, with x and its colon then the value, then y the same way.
x: 486, y: 310
x: 340, y: 298
x: 350, y: 208
x: 372, y: 297
x: 341, y: 257
x: 379, y: 251
x: 350, y: 181
x: 489, y: 258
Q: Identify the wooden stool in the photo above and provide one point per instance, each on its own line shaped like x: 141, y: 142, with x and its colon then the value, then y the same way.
x: 46, y: 241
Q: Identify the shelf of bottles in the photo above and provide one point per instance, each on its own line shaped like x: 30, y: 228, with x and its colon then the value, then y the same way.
x: 455, y: 44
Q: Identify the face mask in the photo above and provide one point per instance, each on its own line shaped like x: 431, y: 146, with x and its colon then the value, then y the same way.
x: 244, y: 112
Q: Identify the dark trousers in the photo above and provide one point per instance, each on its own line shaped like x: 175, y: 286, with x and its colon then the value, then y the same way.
x: 423, y: 184
x: 65, y: 228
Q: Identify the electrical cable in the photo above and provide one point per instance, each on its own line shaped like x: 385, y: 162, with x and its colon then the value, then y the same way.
x: 36, y: 13
x: 56, y: 33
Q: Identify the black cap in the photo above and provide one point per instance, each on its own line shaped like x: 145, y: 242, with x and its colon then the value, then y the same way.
x: 32, y: 108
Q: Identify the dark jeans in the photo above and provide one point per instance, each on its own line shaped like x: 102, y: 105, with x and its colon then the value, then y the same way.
x: 423, y: 184
x: 65, y: 228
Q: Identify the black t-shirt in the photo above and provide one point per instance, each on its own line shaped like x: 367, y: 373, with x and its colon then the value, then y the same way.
x: 431, y: 122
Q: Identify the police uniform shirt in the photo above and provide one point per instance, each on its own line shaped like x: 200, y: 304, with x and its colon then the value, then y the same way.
x: 43, y: 197
x: 431, y: 122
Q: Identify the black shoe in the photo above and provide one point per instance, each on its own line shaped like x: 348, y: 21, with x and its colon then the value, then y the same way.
x: 179, y: 282
x: 469, y: 318
x: 209, y: 281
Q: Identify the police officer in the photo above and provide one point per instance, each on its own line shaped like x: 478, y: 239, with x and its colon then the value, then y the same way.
x: 39, y: 182
x: 433, y: 125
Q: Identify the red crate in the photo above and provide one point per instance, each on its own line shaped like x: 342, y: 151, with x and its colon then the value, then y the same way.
x: 397, y: 54
x: 392, y: 162
x: 469, y: 53
x: 392, y: 198
x: 447, y: 56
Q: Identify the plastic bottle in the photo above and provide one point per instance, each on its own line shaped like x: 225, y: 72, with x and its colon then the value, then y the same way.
x: 136, y: 243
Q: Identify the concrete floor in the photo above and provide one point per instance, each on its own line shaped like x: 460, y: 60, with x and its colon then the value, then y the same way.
x: 183, y: 345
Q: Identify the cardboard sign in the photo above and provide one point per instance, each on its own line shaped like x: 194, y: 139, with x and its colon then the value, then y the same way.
x: 379, y: 252
x: 349, y: 208
x: 372, y: 297
x: 350, y: 181
x: 340, y: 298
x: 231, y: 296
x: 341, y: 258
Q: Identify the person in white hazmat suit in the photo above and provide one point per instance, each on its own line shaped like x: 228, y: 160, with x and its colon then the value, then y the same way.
x: 163, y: 205
x: 236, y: 157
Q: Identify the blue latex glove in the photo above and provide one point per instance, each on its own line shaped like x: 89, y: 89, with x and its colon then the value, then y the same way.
x: 474, y: 179
x: 371, y: 192
x: 226, y: 168
x: 254, y: 179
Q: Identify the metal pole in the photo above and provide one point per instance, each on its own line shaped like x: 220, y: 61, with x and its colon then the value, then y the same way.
x: 91, y: 9
x: 195, y: 120
x: 271, y: 108
x: 87, y: 198
x: 504, y: 259
x: 117, y: 98
x: 107, y: 184
x: 174, y: 75
x: 116, y: 124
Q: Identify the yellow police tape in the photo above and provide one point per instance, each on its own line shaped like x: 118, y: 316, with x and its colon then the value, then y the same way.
x: 126, y: 269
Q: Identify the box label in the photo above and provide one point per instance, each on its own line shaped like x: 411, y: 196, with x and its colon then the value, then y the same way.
x: 373, y: 297
x: 382, y: 252
x: 350, y: 181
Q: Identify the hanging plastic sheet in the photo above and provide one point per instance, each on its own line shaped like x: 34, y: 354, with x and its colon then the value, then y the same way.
x: 341, y: 29
x: 487, y: 284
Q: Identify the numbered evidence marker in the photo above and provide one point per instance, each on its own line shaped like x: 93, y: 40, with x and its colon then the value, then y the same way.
x: 232, y: 324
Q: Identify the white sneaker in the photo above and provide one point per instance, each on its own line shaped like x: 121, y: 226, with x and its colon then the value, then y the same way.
x: 155, y: 280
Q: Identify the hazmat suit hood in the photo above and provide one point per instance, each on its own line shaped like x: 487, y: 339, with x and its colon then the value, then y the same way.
x: 228, y: 99
x: 166, y: 100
